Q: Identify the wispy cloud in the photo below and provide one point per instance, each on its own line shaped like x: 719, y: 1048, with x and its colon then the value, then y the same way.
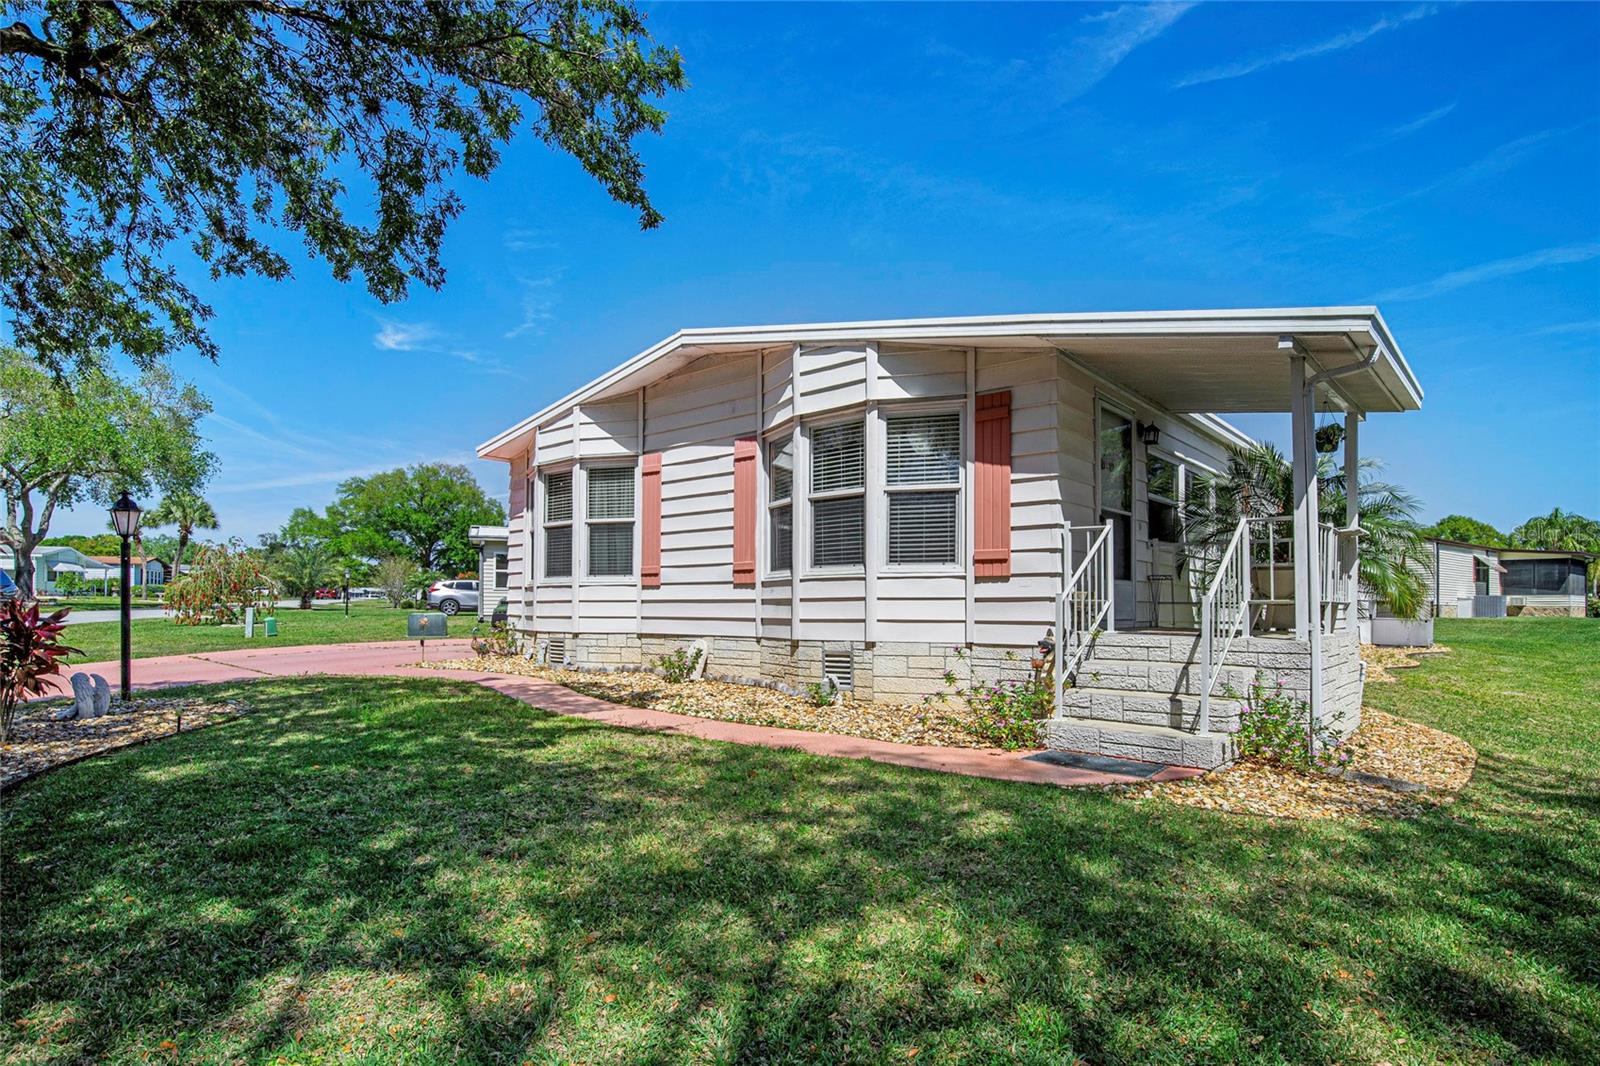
x: 395, y: 336
x: 1337, y: 43
x: 1588, y: 325
x: 1111, y: 35
x: 538, y: 305
x: 1499, y: 268
x: 1406, y: 129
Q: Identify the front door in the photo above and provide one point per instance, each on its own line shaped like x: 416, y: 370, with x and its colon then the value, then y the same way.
x: 1116, y: 504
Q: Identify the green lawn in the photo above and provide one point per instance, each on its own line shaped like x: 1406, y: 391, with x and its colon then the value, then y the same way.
x: 323, y: 624
x: 390, y: 871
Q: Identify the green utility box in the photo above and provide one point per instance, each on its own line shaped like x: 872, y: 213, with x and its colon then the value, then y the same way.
x: 272, y: 625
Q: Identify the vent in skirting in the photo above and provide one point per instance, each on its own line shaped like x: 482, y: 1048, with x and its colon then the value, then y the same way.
x: 555, y: 651
x: 839, y: 667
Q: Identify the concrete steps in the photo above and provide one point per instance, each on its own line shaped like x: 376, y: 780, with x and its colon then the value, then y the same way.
x: 1172, y: 710
x: 1147, y: 743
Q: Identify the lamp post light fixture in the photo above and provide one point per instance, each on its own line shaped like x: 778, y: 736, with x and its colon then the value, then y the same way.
x: 125, y: 515
x: 347, y: 592
x: 1149, y: 434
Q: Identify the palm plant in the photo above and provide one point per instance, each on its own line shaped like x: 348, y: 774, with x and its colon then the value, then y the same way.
x: 187, y: 511
x: 303, y: 567
x: 1259, y: 483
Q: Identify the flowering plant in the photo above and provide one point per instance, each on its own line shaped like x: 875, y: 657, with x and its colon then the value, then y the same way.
x: 1275, y: 726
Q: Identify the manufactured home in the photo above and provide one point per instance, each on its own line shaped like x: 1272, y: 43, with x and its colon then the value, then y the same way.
x: 876, y: 505
x: 493, y: 576
x: 53, y: 562
x: 1483, y: 581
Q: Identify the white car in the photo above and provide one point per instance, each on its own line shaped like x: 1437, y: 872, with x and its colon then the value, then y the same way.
x: 452, y: 597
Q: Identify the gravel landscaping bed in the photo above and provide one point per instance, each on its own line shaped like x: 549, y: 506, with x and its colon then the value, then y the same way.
x: 945, y: 723
x: 1384, y: 746
x: 1381, y: 661
x: 38, y: 743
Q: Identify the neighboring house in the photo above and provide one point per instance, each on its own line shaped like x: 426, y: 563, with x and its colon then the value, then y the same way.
x: 879, y: 504
x: 1481, y: 581
x: 51, y: 561
x: 493, y: 574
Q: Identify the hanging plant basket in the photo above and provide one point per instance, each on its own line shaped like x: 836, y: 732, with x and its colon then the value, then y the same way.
x: 1329, y: 437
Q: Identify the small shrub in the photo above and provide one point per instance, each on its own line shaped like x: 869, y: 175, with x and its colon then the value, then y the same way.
x: 822, y: 694
x: 678, y: 665
x: 499, y: 640
x: 1273, y: 727
x: 1594, y: 606
x: 30, y: 652
x: 1007, y: 713
x: 225, y: 580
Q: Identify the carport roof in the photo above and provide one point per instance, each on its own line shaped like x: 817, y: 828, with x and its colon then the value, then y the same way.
x: 1193, y: 362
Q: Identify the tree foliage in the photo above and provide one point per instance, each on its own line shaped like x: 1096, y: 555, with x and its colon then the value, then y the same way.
x: 1562, y: 531
x: 134, y: 124
x: 302, y: 568
x: 1259, y: 483
x: 1467, y: 530
x: 224, y: 580
x: 398, y: 577
x: 423, y: 513
x: 186, y: 511
x: 62, y: 445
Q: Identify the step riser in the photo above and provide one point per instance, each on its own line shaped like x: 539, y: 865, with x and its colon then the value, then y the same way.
x: 1182, y: 679
x: 1175, y: 712
x: 1207, y: 751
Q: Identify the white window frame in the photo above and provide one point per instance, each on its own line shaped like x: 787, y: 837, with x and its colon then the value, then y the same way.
x: 631, y: 578
x: 808, y: 429
x: 958, y: 487
x: 570, y: 469
x: 792, y: 501
x: 1180, y: 486
x: 1120, y: 556
x: 530, y: 521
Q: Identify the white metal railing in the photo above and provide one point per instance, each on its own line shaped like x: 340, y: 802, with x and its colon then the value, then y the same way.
x: 1224, y: 613
x: 1084, y: 607
x: 1272, y: 560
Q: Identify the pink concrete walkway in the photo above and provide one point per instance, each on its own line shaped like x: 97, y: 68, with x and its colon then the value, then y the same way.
x: 398, y: 659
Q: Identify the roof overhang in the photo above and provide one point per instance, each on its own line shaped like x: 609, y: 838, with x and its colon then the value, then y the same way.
x: 487, y: 534
x: 1190, y: 362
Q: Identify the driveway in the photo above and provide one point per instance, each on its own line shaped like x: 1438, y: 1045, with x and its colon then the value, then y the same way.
x: 399, y: 659
x: 111, y: 614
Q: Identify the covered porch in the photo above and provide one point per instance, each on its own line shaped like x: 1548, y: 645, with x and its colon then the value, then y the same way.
x: 1278, y: 572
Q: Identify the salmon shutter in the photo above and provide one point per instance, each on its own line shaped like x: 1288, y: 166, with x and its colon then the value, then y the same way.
x: 744, y: 511
x: 650, y: 519
x: 991, y: 494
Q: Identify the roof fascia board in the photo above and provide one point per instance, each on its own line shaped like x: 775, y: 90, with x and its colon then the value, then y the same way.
x: 1307, y: 320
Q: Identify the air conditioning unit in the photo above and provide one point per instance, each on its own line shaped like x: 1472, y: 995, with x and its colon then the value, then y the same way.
x: 1516, y: 601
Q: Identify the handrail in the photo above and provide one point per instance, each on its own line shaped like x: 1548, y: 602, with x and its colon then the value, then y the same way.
x: 1226, y: 604
x: 1085, y: 603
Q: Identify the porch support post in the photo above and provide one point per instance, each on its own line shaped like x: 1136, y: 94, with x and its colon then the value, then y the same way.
x: 1351, y: 544
x: 1304, y: 456
x: 1307, y: 565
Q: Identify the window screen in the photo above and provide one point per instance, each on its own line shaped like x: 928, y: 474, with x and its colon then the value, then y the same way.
x: 558, y: 524
x: 781, y: 468
x: 837, y: 537
x: 782, y: 537
x: 922, y: 527
x: 610, y: 520
x: 780, y: 511
x: 611, y: 549
x: 838, y: 458
x: 558, y: 551
x: 924, y: 450
x: 558, y: 497
x: 610, y: 492
x: 501, y: 573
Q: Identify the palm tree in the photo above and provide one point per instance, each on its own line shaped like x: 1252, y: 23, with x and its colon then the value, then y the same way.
x: 189, y: 512
x: 1259, y: 483
x: 1562, y: 531
x: 303, y: 567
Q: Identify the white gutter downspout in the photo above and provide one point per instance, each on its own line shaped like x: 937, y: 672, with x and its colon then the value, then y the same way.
x: 1313, y: 564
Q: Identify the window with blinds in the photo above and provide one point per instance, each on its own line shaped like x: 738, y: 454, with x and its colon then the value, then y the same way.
x: 558, y: 525
x: 922, y: 476
x: 610, y: 520
x: 837, y: 495
x: 780, y: 506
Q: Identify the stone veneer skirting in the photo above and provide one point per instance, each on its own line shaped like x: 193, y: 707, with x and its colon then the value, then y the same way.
x: 885, y: 671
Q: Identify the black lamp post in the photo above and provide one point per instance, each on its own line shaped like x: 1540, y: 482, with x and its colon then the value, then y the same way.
x: 125, y: 516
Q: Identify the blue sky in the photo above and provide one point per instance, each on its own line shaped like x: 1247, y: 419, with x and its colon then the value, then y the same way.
x: 833, y: 162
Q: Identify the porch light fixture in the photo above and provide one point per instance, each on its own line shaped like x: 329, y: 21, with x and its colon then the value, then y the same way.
x: 1149, y: 434
x: 125, y: 515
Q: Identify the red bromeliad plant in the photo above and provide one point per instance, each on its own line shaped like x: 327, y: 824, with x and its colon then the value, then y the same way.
x: 31, y: 652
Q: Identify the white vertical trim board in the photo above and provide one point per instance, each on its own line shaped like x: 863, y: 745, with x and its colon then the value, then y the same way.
x: 799, y: 491
x: 873, y: 514
x: 969, y: 476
